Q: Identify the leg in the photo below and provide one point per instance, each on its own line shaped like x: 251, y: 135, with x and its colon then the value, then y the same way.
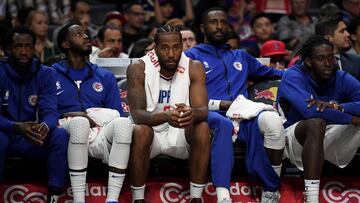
x: 140, y: 159
x: 270, y: 125
x: 4, y: 148
x: 57, y: 162
x: 310, y: 134
x: 199, y: 139
x: 79, y: 129
x: 222, y: 154
x: 119, y: 155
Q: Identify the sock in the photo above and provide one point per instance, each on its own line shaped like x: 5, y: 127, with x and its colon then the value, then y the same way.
x: 78, y: 184
x: 196, y: 190
x: 277, y: 169
x: 137, y: 192
x: 222, y: 194
x: 312, y: 190
x: 115, y: 183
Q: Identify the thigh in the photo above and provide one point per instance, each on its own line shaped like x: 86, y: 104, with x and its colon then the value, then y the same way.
x: 293, y: 149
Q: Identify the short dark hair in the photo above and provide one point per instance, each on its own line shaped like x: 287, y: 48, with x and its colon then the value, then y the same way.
x: 206, y: 13
x: 328, y: 25
x: 62, y: 34
x: 138, y: 49
x: 257, y: 16
x: 312, y: 42
x: 166, y: 29
x: 74, y: 4
x: 18, y: 30
x: 354, y: 23
x: 103, y: 30
x: 130, y: 5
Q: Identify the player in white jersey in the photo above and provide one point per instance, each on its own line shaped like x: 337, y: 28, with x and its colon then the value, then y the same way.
x: 168, y: 102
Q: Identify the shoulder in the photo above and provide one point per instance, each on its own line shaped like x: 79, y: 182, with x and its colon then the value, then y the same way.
x: 136, y: 66
x: 294, y: 72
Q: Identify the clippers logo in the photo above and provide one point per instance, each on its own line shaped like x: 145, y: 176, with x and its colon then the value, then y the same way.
x: 153, y: 59
x: 20, y: 194
x: 206, y: 65
x: 97, y: 86
x: 33, y: 99
x: 335, y: 191
x: 237, y: 65
x: 266, y: 94
x: 58, y: 85
x: 173, y: 192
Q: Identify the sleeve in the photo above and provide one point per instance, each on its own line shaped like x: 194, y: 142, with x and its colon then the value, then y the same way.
x: 113, y: 100
x: 48, y: 99
x: 257, y: 71
x: 293, y: 88
x: 5, y: 124
x: 189, y: 53
x: 352, y: 95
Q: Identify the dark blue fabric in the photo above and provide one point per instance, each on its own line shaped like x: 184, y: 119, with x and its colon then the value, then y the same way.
x: 24, y: 97
x: 257, y: 162
x: 98, y: 89
x: 297, y: 86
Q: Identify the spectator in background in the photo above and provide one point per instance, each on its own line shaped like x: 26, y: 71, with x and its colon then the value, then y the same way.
x: 239, y: 15
x: 321, y: 107
x: 114, y: 18
x: 59, y: 11
x: 134, y: 27
x: 142, y: 47
x: 21, y: 17
x: 328, y: 10
x: 334, y: 30
x: 28, y: 115
x: 354, y: 31
x: 188, y: 38
x: 296, y: 28
x: 80, y: 12
x: 275, y: 50
x: 110, y: 44
x: 164, y: 11
x: 232, y: 39
x: 351, y: 9
x: 38, y: 22
x: 263, y: 30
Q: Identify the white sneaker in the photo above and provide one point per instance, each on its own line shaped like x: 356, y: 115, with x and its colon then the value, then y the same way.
x: 270, y: 197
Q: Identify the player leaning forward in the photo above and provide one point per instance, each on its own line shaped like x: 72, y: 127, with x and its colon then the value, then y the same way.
x: 168, y: 102
x: 89, y: 102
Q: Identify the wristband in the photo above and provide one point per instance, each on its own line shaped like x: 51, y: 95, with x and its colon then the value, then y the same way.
x: 214, y: 104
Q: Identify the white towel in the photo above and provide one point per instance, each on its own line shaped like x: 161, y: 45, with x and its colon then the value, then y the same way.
x: 102, y: 116
x: 244, y: 109
x: 179, y: 87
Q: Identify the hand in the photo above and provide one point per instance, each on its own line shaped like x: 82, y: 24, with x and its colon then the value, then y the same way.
x: 355, y: 120
x: 42, y: 130
x: 26, y: 129
x: 173, y: 117
x: 321, y: 105
x: 107, y: 52
x: 186, y: 116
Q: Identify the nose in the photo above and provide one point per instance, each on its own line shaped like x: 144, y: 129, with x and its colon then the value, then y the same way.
x: 347, y: 33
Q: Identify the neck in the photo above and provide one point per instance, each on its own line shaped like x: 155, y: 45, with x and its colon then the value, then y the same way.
x: 76, y: 61
x: 167, y: 73
x: 336, y: 50
x: 131, y: 30
x: 20, y: 69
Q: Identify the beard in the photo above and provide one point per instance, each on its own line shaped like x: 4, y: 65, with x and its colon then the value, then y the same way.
x: 216, y: 41
x: 82, y: 50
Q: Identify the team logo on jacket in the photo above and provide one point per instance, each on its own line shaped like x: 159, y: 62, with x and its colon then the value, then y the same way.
x: 33, y: 99
x: 237, y: 65
x: 97, y: 86
x: 58, y: 85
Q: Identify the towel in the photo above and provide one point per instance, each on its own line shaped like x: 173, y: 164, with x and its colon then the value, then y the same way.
x: 244, y: 109
x: 179, y: 88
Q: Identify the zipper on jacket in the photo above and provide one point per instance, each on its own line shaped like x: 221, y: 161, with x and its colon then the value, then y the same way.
x: 225, y: 73
x: 20, y: 101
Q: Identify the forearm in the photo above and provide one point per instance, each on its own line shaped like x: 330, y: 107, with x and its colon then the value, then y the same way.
x: 6, y: 124
x: 149, y: 118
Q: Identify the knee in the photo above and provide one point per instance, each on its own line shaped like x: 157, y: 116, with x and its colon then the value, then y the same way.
x: 142, y: 136
x: 123, y: 129
x: 79, y: 130
x: 271, y: 125
x: 315, y: 127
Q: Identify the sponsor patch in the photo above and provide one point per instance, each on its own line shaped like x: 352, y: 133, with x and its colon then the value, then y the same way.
x: 33, y: 99
x: 237, y: 65
x: 98, y: 87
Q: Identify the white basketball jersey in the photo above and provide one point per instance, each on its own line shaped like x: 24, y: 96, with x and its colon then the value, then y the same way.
x: 164, y: 99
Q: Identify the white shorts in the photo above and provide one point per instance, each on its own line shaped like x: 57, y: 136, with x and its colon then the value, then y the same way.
x: 160, y: 145
x: 340, y: 145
